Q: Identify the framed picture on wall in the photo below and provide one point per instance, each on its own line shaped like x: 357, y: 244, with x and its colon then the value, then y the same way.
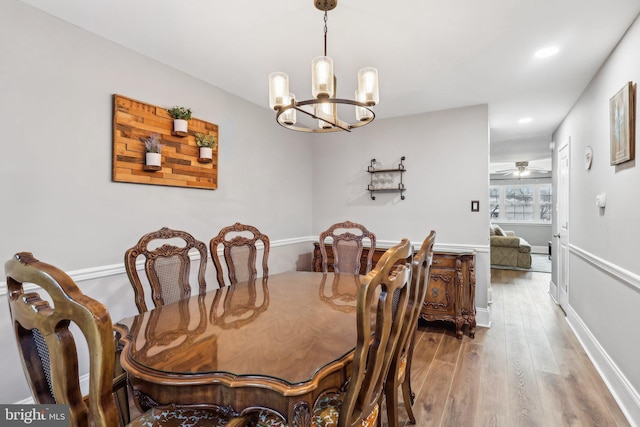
x: 622, y: 124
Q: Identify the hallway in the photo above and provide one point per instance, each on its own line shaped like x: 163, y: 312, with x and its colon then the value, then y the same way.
x: 528, y: 369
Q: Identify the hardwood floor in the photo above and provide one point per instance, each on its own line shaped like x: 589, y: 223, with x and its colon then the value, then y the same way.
x: 528, y: 369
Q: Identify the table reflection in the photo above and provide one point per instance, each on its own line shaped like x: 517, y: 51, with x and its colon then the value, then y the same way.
x: 236, y: 306
x: 287, y: 327
x: 342, y: 295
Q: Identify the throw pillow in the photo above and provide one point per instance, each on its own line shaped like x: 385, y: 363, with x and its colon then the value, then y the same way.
x: 499, y: 231
x: 492, y: 230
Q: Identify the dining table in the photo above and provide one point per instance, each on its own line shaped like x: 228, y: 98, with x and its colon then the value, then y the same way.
x: 276, y: 342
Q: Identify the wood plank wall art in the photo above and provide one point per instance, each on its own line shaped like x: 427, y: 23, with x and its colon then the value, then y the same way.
x: 133, y: 121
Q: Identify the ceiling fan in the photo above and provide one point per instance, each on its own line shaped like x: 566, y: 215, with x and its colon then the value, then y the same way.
x: 521, y: 170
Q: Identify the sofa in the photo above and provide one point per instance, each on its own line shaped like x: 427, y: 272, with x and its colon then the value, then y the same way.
x: 507, y: 249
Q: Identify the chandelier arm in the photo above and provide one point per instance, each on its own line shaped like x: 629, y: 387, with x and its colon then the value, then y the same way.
x: 337, y: 123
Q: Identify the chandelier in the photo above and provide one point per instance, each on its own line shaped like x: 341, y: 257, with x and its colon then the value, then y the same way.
x: 323, y: 107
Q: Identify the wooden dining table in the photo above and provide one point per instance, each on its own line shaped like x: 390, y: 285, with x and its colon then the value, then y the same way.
x: 278, y: 343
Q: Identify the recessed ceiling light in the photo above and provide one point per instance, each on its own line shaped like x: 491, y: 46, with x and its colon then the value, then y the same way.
x: 547, y: 52
x: 525, y: 120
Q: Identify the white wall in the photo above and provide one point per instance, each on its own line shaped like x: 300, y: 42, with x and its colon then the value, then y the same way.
x: 447, y: 167
x: 58, y: 200
x: 604, y: 281
x: 57, y: 83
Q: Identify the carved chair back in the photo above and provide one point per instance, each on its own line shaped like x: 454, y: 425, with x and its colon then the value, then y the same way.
x: 347, y: 247
x: 47, y: 346
x: 399, y: 373
x: 239, y: 249
x: 167, y: 267
x: 383, y: 299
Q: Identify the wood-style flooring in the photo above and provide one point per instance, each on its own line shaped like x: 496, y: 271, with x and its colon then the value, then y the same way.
x: 528, y: 369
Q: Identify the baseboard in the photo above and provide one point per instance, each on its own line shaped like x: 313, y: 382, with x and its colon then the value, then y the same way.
x: 553, y: 291
x: 483, y: 317
x: 623, y: 392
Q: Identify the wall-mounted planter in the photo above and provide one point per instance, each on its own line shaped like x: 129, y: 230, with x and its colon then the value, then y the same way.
x: 206, y: 155
x: 153, y: 162
x: 180, y: 127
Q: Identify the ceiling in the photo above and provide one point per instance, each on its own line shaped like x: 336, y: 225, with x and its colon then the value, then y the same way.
x: 430, y: 55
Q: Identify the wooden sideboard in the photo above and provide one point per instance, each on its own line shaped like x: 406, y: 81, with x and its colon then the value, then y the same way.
x: 451, y: 290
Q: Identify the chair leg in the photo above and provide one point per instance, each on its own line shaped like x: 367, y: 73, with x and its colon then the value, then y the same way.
x: 407, y: 372
x: 407, y: 393
x: 391, y: 400
x: 408, y: 398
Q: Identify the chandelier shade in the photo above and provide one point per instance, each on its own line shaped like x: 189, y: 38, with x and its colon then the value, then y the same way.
x: 324, y: 110
x: 362, y: 113
x: 322, y: 77
x: 278, y: 89
x: 368, y: 85
x: 289, y: 116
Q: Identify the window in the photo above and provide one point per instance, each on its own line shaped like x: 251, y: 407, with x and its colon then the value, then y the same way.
x: 520, y: 203
x: 494, y: 202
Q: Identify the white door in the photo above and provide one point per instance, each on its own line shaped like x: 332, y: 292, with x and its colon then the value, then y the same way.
x: 562, y: 221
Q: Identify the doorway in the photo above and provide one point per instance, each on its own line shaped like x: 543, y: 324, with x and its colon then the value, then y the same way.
x: 561, y: 291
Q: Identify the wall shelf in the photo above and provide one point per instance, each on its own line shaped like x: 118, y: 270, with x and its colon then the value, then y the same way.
x: 390, y: 185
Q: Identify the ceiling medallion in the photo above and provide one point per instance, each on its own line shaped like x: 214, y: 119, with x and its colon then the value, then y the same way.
x: 323, y: 107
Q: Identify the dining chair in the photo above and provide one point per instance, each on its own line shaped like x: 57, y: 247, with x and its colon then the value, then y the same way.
x: 47, y: 346
x: 239, y: 249
x: 167, y: 267
x: 382, y: 302
x: 347, y: 247
x: 400, y: 370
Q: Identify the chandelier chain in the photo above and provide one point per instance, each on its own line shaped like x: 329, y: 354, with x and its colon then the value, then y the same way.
x: 325, y: 28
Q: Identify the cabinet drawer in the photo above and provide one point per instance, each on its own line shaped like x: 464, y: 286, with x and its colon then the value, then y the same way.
x: 443, y: 261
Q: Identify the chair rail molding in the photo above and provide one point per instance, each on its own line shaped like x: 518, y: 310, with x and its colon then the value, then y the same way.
x: 98, y: 272
x: 625, y: 276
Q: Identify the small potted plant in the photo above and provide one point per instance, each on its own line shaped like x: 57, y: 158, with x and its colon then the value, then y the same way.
x: 207, y: 143
x: 180, y: 116
x: 153, y: 150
